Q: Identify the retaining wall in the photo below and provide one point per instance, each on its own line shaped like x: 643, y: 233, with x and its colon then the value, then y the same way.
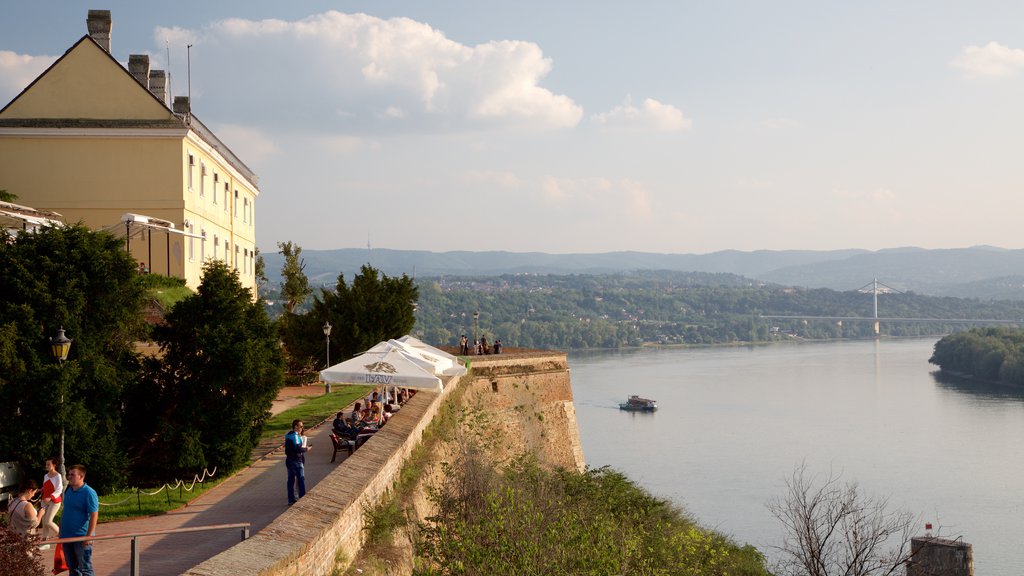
x: 328, y: 522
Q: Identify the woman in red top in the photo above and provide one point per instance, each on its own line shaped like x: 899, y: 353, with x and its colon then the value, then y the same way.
x: 53, y: 487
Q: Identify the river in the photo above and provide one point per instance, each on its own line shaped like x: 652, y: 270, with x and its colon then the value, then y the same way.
x: 733, y: 423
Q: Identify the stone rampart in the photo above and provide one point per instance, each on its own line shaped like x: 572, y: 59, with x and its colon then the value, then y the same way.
x: 527, y: 394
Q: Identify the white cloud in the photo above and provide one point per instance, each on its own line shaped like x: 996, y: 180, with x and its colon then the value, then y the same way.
x: 17, y: 71
x: 652, y: 116
x: 615, y: 198
x: 351, y: 71
x: 778, y: 123
x: 505, y: 180
x: 880, y: 195
x: 248, y: 143
x: 993, y: 59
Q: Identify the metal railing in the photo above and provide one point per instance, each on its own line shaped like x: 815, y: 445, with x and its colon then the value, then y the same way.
x: 135, y: 565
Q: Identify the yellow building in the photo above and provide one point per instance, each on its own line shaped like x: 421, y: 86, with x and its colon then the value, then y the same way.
x: 97, y: 143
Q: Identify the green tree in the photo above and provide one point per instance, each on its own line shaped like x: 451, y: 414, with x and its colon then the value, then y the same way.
x: 295, y: 288
x: 374, y: 308
x: 86, y: 282
x: 261, y: 273
x: 210, y: 396
x: 6, y: 196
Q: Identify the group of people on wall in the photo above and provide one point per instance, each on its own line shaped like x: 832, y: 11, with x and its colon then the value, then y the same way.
x: 81, y: 514
x: 480, y: 346
x: 367, y: 417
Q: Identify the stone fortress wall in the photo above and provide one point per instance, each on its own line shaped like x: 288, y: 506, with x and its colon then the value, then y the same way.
x: 526, y: 400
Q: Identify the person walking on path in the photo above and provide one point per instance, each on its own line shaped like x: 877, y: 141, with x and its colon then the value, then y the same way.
x: 81, y: 512
x: 295, y: 448
x: 53, y: 487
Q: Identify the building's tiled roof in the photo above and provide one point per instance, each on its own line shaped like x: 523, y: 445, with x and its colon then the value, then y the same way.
x: 89, y: 123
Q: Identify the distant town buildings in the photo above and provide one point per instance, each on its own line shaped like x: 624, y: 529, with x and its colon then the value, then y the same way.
x: 97, y: 143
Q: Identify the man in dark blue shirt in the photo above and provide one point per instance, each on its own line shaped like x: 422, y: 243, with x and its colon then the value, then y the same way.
x: 295, y: 448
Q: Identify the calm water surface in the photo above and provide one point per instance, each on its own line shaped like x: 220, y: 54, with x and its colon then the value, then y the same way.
x: 733, y: 423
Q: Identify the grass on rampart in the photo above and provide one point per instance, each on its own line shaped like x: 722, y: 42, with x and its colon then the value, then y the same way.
x: 143, y: 502
x: 166, y: 290
x: 315, y: 408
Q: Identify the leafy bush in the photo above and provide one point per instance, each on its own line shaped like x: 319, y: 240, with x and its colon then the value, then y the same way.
x: 524, y: 519
x: 19, y: 555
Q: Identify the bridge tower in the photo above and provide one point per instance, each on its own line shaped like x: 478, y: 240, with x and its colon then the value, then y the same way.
x: 875, y: 288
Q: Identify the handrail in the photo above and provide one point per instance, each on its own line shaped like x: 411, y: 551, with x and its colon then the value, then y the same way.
x: 149, y: 533
x: 135, y: 564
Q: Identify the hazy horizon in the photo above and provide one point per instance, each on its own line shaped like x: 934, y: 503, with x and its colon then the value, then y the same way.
x: 674, y: 128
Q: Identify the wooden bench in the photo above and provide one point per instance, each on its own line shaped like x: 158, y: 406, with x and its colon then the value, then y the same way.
x: 342, y: 444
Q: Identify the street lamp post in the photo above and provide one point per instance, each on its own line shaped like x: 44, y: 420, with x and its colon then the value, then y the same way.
x: 60, y: 345
x: 476, y: 328
x: 327, y: 337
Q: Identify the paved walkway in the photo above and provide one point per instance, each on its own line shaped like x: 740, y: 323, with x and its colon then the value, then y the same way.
x: 255, y: 495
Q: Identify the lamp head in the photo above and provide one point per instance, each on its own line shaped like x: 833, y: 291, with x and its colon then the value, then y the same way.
x: 327, y: 328
x: 60, y: 345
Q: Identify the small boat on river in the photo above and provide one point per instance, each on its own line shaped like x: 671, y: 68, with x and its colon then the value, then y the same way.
x: 638, y: 404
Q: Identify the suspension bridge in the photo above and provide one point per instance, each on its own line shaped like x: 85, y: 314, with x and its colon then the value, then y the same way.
x: 875, y: 288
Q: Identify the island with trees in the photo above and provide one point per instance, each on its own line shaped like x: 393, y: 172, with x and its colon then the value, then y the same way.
x: 991, y: 354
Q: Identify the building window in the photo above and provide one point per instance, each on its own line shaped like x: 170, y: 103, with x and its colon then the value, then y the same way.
x: 236, y: 256
x: 245, y: 210
x: 202, y: 178
x: 216, y: 243
x: 191, y: 170
x: 227, y: 252
x: 245, y: 260
x: 216, y: 180
x: 202, y: 246
x: 236, y: 203
x: 225, y: 196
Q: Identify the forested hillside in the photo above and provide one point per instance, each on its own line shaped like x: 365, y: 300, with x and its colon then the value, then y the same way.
x: 614, y: 310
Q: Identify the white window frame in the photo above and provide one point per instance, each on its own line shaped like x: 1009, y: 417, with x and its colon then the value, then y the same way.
x: 191, y: 169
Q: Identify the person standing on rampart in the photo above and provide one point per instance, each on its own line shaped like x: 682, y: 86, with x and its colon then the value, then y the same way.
x: 295, y: 448
x: 81, y: 512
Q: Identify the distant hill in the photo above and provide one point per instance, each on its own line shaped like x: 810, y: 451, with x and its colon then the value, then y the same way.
x: 979, y: 272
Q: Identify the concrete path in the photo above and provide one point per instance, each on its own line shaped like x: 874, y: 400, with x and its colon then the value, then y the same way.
x: 256, y: 494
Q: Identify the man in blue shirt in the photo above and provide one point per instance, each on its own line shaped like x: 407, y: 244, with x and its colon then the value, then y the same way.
x: 295, y: 460
x: 81, y: 511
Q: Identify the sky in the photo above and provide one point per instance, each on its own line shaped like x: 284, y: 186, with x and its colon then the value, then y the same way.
x: 597, y: 126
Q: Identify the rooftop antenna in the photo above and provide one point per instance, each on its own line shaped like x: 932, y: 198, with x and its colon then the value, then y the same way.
x: 170, y: 88
x: 188, y: 71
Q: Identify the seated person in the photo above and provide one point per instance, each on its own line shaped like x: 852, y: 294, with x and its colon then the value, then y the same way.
x: 373, y: 419
x: 357, y: 414
x: 341, y: 427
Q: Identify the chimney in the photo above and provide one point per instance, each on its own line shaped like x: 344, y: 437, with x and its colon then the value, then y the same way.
x: 158, y: 85
x: 138, y: 67
x: 182, y: 107
x: 99, y: 26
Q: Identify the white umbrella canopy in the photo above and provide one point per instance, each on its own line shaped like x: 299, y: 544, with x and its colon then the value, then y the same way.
x: 388, y: 367
x: 440, y: 362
